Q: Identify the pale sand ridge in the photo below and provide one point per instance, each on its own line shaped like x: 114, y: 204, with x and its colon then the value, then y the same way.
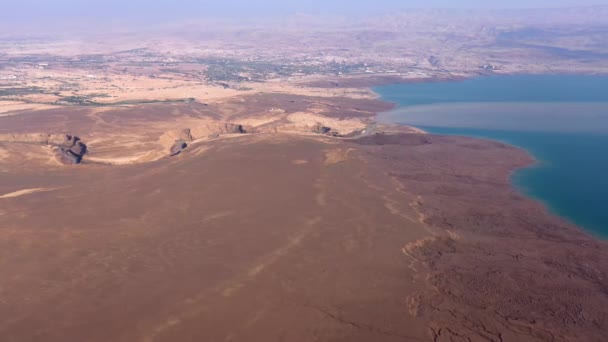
x: 24, y: 192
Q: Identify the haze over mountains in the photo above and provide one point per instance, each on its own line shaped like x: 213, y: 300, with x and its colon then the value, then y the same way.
x: 97, y: 15
x: 165, y: 10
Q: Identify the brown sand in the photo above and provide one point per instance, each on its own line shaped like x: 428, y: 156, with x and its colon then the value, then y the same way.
x: 243, y: 242
x: 284, y: 237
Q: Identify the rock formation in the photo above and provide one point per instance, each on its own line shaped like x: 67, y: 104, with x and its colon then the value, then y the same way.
x: 229, y: 128
x: 178, y: 147
x: 70, y: 149
x: 178, y: 140
x: 320, y: 129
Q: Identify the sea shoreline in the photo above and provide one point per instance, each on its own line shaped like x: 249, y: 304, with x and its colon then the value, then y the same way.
x: 490, y: 242
x: 536, y: 162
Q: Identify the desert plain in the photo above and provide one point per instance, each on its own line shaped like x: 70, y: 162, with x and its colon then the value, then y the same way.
x: 148, y: 195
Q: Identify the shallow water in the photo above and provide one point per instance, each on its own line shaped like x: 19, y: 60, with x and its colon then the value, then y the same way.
x: 561, y: 120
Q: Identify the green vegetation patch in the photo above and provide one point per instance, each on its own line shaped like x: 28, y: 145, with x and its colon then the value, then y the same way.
x: 16, y: 91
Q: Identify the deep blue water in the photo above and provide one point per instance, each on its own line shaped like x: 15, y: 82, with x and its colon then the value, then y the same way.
x: 561, y: 120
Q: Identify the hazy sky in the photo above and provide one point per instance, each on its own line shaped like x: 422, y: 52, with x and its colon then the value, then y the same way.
x: 174, y: 9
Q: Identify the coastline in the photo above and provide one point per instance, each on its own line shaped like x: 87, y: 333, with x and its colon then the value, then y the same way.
x: 523, y: 227
x: 490, y: 244
x: 525, y: 179
x: 521, y: 179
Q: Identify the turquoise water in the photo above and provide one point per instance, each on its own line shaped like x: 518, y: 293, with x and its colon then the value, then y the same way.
x: 561, y: 120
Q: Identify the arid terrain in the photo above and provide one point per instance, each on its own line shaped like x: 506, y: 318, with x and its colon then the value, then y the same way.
x: 288, y: 235
x: 235, y: 187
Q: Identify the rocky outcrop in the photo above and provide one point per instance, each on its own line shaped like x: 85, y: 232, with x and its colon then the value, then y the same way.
x: 182, y: 134
x: 178, y: 147
x: 70, y: 149
x: 229, y: 128
x: 320, y: 129
x: 176, y: 141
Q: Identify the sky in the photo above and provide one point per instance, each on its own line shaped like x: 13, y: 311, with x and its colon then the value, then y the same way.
x: 48, y: 10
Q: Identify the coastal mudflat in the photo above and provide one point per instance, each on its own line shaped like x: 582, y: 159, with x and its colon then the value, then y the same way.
x: 499, y: 267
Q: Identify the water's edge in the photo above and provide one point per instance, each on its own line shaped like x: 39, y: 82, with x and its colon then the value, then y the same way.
x: 517, y: 177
